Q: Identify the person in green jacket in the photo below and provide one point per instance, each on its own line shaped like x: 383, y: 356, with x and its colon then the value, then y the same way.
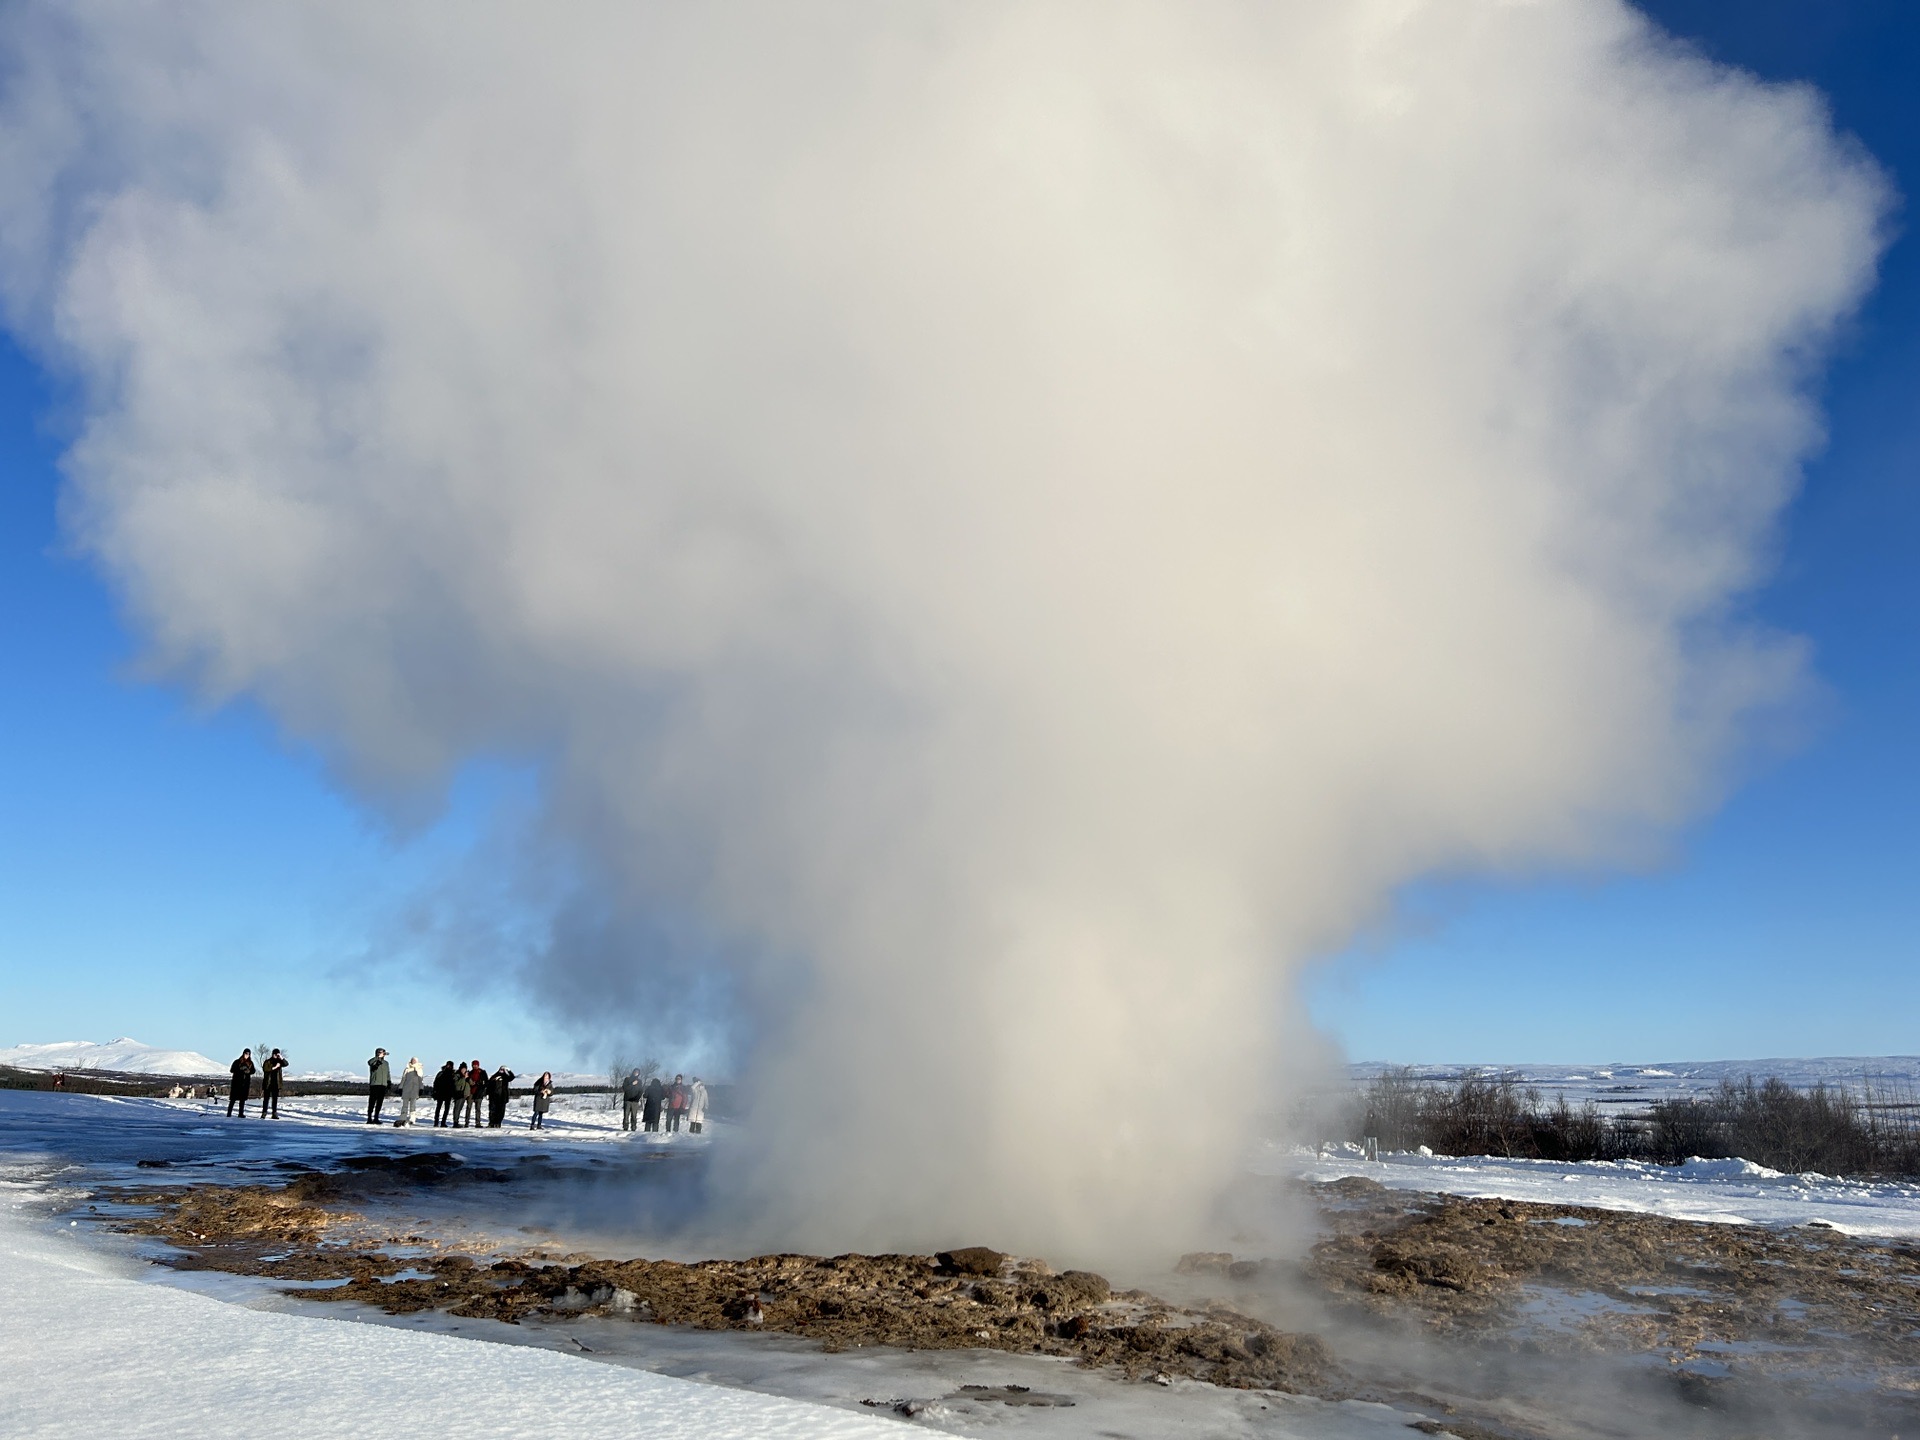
x: 462, y: 1094
x: 379, y: 1077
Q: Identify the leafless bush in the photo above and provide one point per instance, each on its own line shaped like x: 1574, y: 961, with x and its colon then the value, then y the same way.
x: 1830, y: 1129
x: 1476, y: 1115
x: 1826, y: 1128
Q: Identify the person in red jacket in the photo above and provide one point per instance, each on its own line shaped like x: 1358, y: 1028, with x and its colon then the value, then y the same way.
x: 676, y: 1102
x: 477, y: 1087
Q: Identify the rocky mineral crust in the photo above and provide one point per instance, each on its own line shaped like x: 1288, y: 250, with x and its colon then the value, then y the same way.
x: 965, y: 1298
x: 1576, y: 1279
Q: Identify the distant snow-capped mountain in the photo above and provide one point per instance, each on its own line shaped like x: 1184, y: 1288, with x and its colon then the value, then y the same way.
x: 124, y: 1054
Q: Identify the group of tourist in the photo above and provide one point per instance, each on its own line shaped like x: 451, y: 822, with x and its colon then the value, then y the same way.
x: 458, y: 1090
x: 644, y: 1102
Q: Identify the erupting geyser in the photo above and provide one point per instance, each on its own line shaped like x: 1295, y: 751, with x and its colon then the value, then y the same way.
x: 1012, y: 524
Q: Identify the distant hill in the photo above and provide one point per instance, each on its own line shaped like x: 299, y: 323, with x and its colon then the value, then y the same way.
x: 124, y: 1056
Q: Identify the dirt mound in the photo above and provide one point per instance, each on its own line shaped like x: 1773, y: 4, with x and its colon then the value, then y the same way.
x: 241, y: 1217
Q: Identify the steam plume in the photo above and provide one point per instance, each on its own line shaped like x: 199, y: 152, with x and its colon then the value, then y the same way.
x: 1020, y: 522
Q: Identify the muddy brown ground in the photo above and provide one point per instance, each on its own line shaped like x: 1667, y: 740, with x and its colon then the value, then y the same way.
x: 1764, y: 1316
x: 971, y: 1298
x: 1567, y: 1278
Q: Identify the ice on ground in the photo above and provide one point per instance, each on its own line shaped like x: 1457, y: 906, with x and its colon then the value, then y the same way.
x: 126, y: 1055
x: 1724, y: 1191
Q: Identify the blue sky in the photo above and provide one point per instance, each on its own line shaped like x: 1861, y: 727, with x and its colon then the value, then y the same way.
x: 182, y: 876
x: 188, y: 879
x: 1789, y: 922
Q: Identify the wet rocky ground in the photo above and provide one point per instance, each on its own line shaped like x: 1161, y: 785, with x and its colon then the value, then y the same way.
x: 315, y: 1231
x: 1755, y: 1330
x: 1490, y: 1315
x: 1573, y: 1280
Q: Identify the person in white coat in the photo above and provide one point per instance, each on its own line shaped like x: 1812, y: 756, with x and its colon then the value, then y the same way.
x: 696, y: 1105
x: 411, y: 1079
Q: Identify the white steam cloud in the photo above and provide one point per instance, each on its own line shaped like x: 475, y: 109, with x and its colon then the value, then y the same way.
x: 1021, y: 522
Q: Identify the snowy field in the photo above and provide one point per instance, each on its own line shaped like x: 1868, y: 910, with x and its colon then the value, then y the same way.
x: 1733, y: 1192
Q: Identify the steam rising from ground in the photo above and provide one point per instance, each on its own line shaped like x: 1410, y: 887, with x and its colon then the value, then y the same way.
x: 1014, y: 524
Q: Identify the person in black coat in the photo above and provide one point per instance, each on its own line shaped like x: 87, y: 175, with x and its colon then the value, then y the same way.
x: 656, y: 1097
x: 632, y: 1091
x: 242, y: 1083
x: 499, y: 1087
x: 443, y: 1093
x: 270, y: 1071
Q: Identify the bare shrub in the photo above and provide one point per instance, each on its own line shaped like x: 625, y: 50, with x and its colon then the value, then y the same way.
x: 1826, y: 1128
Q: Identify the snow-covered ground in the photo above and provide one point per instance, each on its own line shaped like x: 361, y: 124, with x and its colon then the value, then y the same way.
x: 1722, y: 1191
x: 126, y: 1055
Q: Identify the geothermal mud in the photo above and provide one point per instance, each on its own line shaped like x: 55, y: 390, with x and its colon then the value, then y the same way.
x: 1755, y: 1331
x: 309, y: 1230
x: 1558, y: 1277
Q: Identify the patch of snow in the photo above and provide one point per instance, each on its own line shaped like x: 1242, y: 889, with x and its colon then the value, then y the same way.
x: 125, y: 1054
x: 1695, y: 1168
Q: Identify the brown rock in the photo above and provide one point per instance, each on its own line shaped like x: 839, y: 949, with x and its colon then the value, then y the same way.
x: 971, y: 1260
